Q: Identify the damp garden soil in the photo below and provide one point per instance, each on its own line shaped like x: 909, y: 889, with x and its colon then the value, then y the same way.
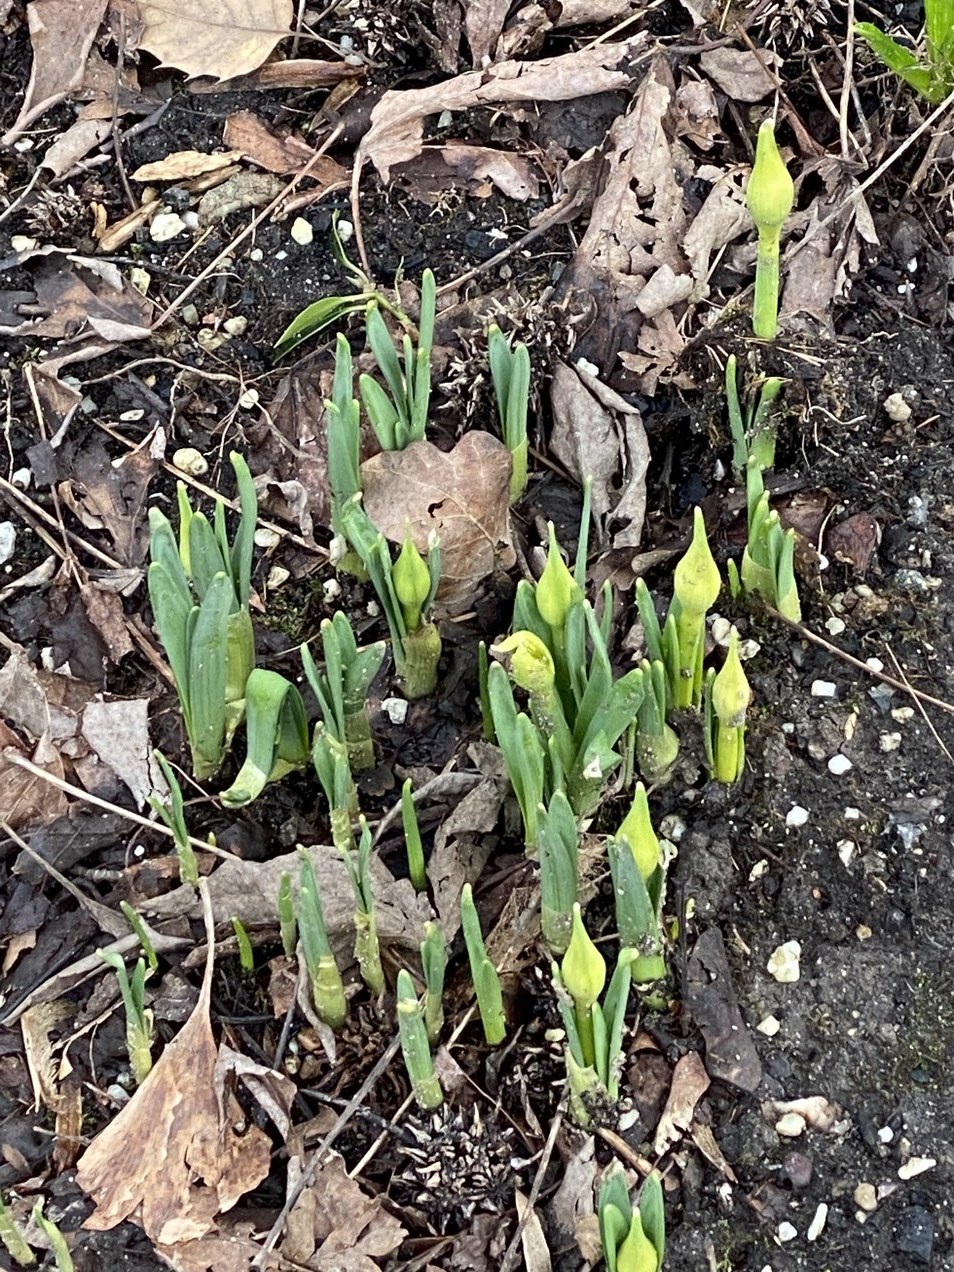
x: 854, y: 864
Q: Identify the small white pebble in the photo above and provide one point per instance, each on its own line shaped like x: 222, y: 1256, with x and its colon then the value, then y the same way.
x: 863, y: 932
x: 835, y: 626
x: 21, y: 478
x: 796, y: 816
x: 277, y: 575
x: 866, y: 1198
x: 236, y: 326
x: 721, y: 627
x: 888, y: 742
x: 758, y: 870
x: 8, y: 541
x: 23, y: 243
x: 787, y: 1231
x: 302, y: 231
x: 395, y: 709
x: 852, y: 814
x: 784, y: 963
x: 769, y: 1026
x: 130, y: 417
x: 817, y: 1225
x: 190, y: 219
x: 165, y: 226
x: 188, y: 460
x: 874, y: 663
x: 823, y: 689
x: 345, y: 231
x: 248, y: 399
x: 256, y: 254
x: 885, y: 1135
x: 790, y: 1125
x: 331, y: 589
x: 916, y: 1166
x: 902, y: 714
x: 846, y: 851
x: 896, y: 408
x: 839, y: 765
x: 267, y: 538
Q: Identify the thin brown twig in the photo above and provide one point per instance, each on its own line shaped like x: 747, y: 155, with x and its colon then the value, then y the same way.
x: 917, y: 702
x: 29, y: 508
x: 535, y: 1188
x: 905, y: 687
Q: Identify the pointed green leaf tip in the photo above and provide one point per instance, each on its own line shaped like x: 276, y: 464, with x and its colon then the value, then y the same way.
x: 583, y: 969
x: 730, y: 689
x: 696, y: 579
x: 770, y: 193
x: 556, y: 590
x: 412, y: 581
x: 637, y: 1253
x: 637, y: 830
x: 529, y: 662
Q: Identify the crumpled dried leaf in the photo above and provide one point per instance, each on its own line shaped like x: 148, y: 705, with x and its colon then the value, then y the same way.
x: 182, y: 164
x: 109, y: 494
x: 75, y: 291
x: 28, y: 800
x: 689, y: 1084
x: 233, y: 39
x: 461, y: 494
x: 244, y: 190
x: 397, y: 121
x: 61, y: 35
x: 741, y: 73
x: 595, y: 433
x: 274, y: 1091
x: 335, y: 1224
x: 483, y: 23
x: 711, y: 999
x: 119, y: 734
x: 279, y: 152
x: 510, y: 173
x: 171, y: 1159
x: 570, y: 1212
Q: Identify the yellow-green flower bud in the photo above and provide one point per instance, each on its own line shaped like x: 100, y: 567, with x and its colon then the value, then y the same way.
x: 556, y: 590
x: 583, y: 969
x: 636, y: 1253
x: 529, y: 662
x: 696, y: 579
x: 637, y: 830
x: 412, y: 582
x: 730, y: 689
x: 770, y: 193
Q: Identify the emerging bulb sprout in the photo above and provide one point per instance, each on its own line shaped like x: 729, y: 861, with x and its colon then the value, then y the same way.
x: 769, y: 198
x: 412, y: 583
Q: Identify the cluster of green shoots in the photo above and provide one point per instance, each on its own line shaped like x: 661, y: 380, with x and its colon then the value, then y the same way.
x: 15, y: 1242
x: 634, y: 1240
x: 932, y: 73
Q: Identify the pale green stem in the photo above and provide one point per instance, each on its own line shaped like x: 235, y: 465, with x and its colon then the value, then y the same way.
x: 765, y: 303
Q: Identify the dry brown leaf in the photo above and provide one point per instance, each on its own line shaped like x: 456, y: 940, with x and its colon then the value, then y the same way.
x: 397, y: 121
x: 741, y: 73
x: 461, y: 494
x: 335, y: 1224
x: 110, y: 494
x: 279, y: 152
x: 76, y: 291
x: 171, y: 1159
x: 182, y: 164
x: 510, y: 173
x: 299, y: 72
x: 595, y: 434
x: 585, y: 12
x: 536, y: 1252
x: 63, y: 154
x: 61, y: 35
x: 689, y: 1084
x: 483, y: 23
x: 231, y: 1248
x: 119, y: 734
x: 28, y: 800
x: 229, y: 38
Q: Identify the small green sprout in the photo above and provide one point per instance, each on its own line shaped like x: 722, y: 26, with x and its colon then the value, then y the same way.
x: 696, y: 585
x: 276, y: 736
x: 343, y: 430
x: 510, y: 372
x: 434, y: 965
x: 412, y: 839
x: 726, y: 701
x: 753, y: 430
x: 366, y: 948
x: 327, y: 988
x: 199, y: 590
x: 245, y: 952
x: 341, y: 687
x: 524, y: 751
x: 638, y: 872
x: 330, y: 758
x: 657, y: 744
x: 557, y: 837
x: 633, y: 1240
x: 769, y: 197
x: 482, y: 971
x: 140, y: 1030
x: 173, y: 814
x: 583, y: 973
x: 931, y: 74
x: 415, y: 1046
x: 14, y: 1242
x: 415, y: 583
x: 399, y: 417
x: 768, y: 560
x: 142, y: 933
x: 287, y: 923
x: 58, y: 1247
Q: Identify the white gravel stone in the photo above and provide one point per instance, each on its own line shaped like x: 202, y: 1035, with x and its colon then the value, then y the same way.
x: 8, y: 541
x: 395, y: 709
x: 896, y: 408
x: 248, y: 399
x: 824, y: 689
x: 236, y: 326
x: 866, y: 1198
x: 889, y: 742
x: 846, y: 851
x: 902, y: 714
x: 787, y: 1231
x: 834, y: 625
x: 302, y: 231
x: 817, y: 1225
x: 916, y: 1166
x: 188, y: 460
x: 885, y: 1135
x: 790, y: 1125
x: 277, y: 575
x: 266, y: 538
x: 331, y: 589
x: 165, y: 226
x: 796, y: 816
x: 839, y: 765
x: 769, y: 1026
x: 784, y: 963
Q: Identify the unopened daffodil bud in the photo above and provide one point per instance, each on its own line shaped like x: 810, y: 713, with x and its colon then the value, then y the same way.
x: 636, y: 1253
x: 770, y: 193
x: 412, y: 582
x: 583, y: 969
x: 730, y: 689
x: 637, y: 830
x: 557, y: 589
x: 529, y: 662
x: 696, y: 580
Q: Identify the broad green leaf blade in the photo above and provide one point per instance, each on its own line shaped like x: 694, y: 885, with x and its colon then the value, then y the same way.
x: 171, y: 609
x: 316, y: 317
x: 206, y: 557
x: 207, y: 676
x: 241, y: 554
